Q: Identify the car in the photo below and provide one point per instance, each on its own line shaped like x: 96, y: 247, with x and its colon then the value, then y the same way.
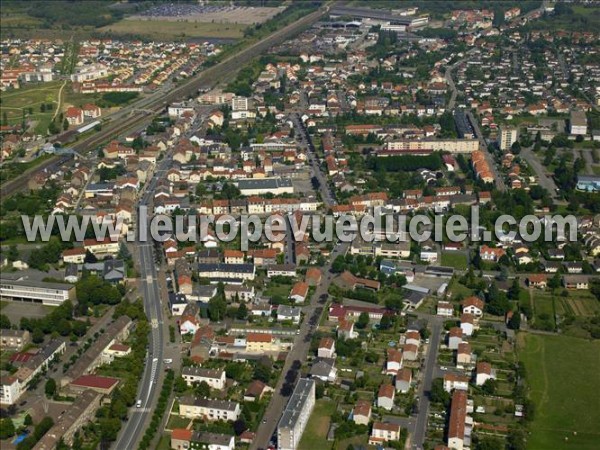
x: 138, y: 404
x: 264, y: 420
x: 167, y: 361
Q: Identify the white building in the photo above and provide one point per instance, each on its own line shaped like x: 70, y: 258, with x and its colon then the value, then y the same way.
x: 10, y: 390
x: 296, y: 415
x: 49, y: 294
x: 213, y: 377
x: 578, y: 122
x: 208, y: 409
x: 507, y: 137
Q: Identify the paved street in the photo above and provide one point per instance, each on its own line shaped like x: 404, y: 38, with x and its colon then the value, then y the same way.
x: 420, y: 427
x: 313, y: 311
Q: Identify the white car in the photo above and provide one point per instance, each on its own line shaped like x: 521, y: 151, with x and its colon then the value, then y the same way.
x: 138, y: 404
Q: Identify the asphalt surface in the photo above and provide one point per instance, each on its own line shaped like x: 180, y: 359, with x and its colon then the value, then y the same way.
x: 420, y: 426
x: 151, y: 381
x: 312, y: 312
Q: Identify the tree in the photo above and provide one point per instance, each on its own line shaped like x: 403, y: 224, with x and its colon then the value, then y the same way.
x: 37, y: 336
x: 363, y: 321
x: 13, y: 253
x: 515, y: 321
x: 217, y: 307
x: 242, y: 312
x: 202, y: 389
x: 50, y: 387
x: 489, y: 387
x: 27, y: 421
x: 438, y: 394
x: 386, y: 322
x: 239, y: 426
x: 4, y: 322
x: 179, y: 385
x: 7, y: 428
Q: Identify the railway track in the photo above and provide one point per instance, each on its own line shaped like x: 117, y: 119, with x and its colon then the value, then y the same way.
x: 208, y: 78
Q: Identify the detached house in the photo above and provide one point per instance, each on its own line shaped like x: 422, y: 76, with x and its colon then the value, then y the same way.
x: 473, y: 305
x: 385, y: 397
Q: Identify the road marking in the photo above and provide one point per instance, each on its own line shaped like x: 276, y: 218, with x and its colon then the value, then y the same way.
x: 154, y: 323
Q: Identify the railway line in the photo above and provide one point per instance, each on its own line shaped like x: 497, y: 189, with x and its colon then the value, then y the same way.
x: 208, y: 78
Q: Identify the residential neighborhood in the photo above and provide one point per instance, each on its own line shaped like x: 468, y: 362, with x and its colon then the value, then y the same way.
x: 176, y: 269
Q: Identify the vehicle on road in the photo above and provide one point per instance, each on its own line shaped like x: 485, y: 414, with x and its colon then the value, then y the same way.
x: 138, y: 404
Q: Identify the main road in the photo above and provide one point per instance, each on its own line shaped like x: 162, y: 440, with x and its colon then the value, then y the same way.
x: 312, y: 312
x: 151, y: 295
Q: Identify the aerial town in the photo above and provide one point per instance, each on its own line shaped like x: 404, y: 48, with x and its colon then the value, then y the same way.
x: 122, y: 120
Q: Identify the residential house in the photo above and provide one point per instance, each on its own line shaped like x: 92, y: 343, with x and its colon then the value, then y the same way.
x: 385, y: 397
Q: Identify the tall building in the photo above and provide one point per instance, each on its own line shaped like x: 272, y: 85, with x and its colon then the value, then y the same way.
x: 296, y: 415
x: 578, y: 122
x: 507, y: 137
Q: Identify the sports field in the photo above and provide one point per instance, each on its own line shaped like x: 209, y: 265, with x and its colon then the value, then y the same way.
x: 167, y: 29
x: 563, y: 374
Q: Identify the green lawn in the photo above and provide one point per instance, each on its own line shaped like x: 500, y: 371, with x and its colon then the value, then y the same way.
x: 315, y: 434
x: 563, y: 377
x: 458, y: 260
x: 31, y: 96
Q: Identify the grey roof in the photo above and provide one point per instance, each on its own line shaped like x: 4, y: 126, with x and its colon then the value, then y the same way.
x: 223, y: 267
x: 38, y: 284
x: 204, y: 437
x: 202, y: 372
x: 322, y: 367
x: 288, y: 311
x: 264, y: 183
x: 291, y: 414
x: 223, y: 405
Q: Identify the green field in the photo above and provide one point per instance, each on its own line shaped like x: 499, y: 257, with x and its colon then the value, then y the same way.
x: 563, y: 374
x: 455, y: 259
x: 315, y: 434
x: 31, y: 96
x: 165, y: 29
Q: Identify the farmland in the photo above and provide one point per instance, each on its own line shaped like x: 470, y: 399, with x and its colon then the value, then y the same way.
x: 562, y: 373
x: 166, y: 29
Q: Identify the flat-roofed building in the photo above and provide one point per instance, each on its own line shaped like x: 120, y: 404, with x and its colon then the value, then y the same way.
x: 261, y: 186
x: 578, y: 122
x: 507, y: 137
x: 32, y: 291
x: 296, y: 414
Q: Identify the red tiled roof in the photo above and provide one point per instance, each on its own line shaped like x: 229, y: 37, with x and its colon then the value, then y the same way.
x: 94, y: 381
x: 181, y: 434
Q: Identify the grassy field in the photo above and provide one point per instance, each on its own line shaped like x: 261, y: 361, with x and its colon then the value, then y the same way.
x: 315, y: 434
x: 163, y: 29
x: 458, y: 260
x: 32, y: 96
x: 562, y: 374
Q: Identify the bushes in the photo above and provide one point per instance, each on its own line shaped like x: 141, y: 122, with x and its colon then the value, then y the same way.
x: 406, y: 163
x: 111, y: 99
x: 159, y: 410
